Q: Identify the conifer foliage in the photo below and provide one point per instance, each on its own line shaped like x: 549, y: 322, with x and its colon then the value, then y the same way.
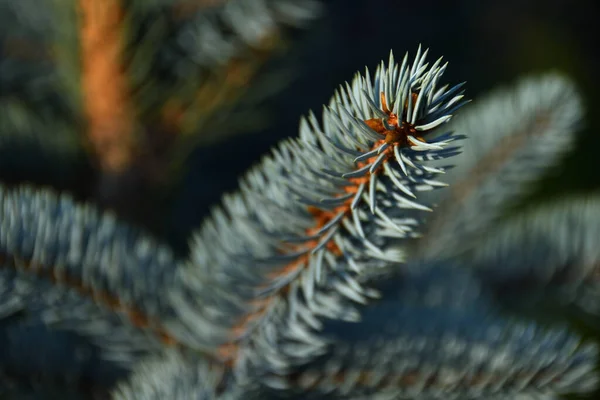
x: 342, y: 267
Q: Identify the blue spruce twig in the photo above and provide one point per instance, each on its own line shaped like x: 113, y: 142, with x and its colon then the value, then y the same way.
x: 324, y: 207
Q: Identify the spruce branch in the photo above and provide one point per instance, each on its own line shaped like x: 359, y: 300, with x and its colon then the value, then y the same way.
x: 550, y: 243
x: 69, y: 267
x: 436, y: 333
x: 322, y: 209
x: 546, y: 255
